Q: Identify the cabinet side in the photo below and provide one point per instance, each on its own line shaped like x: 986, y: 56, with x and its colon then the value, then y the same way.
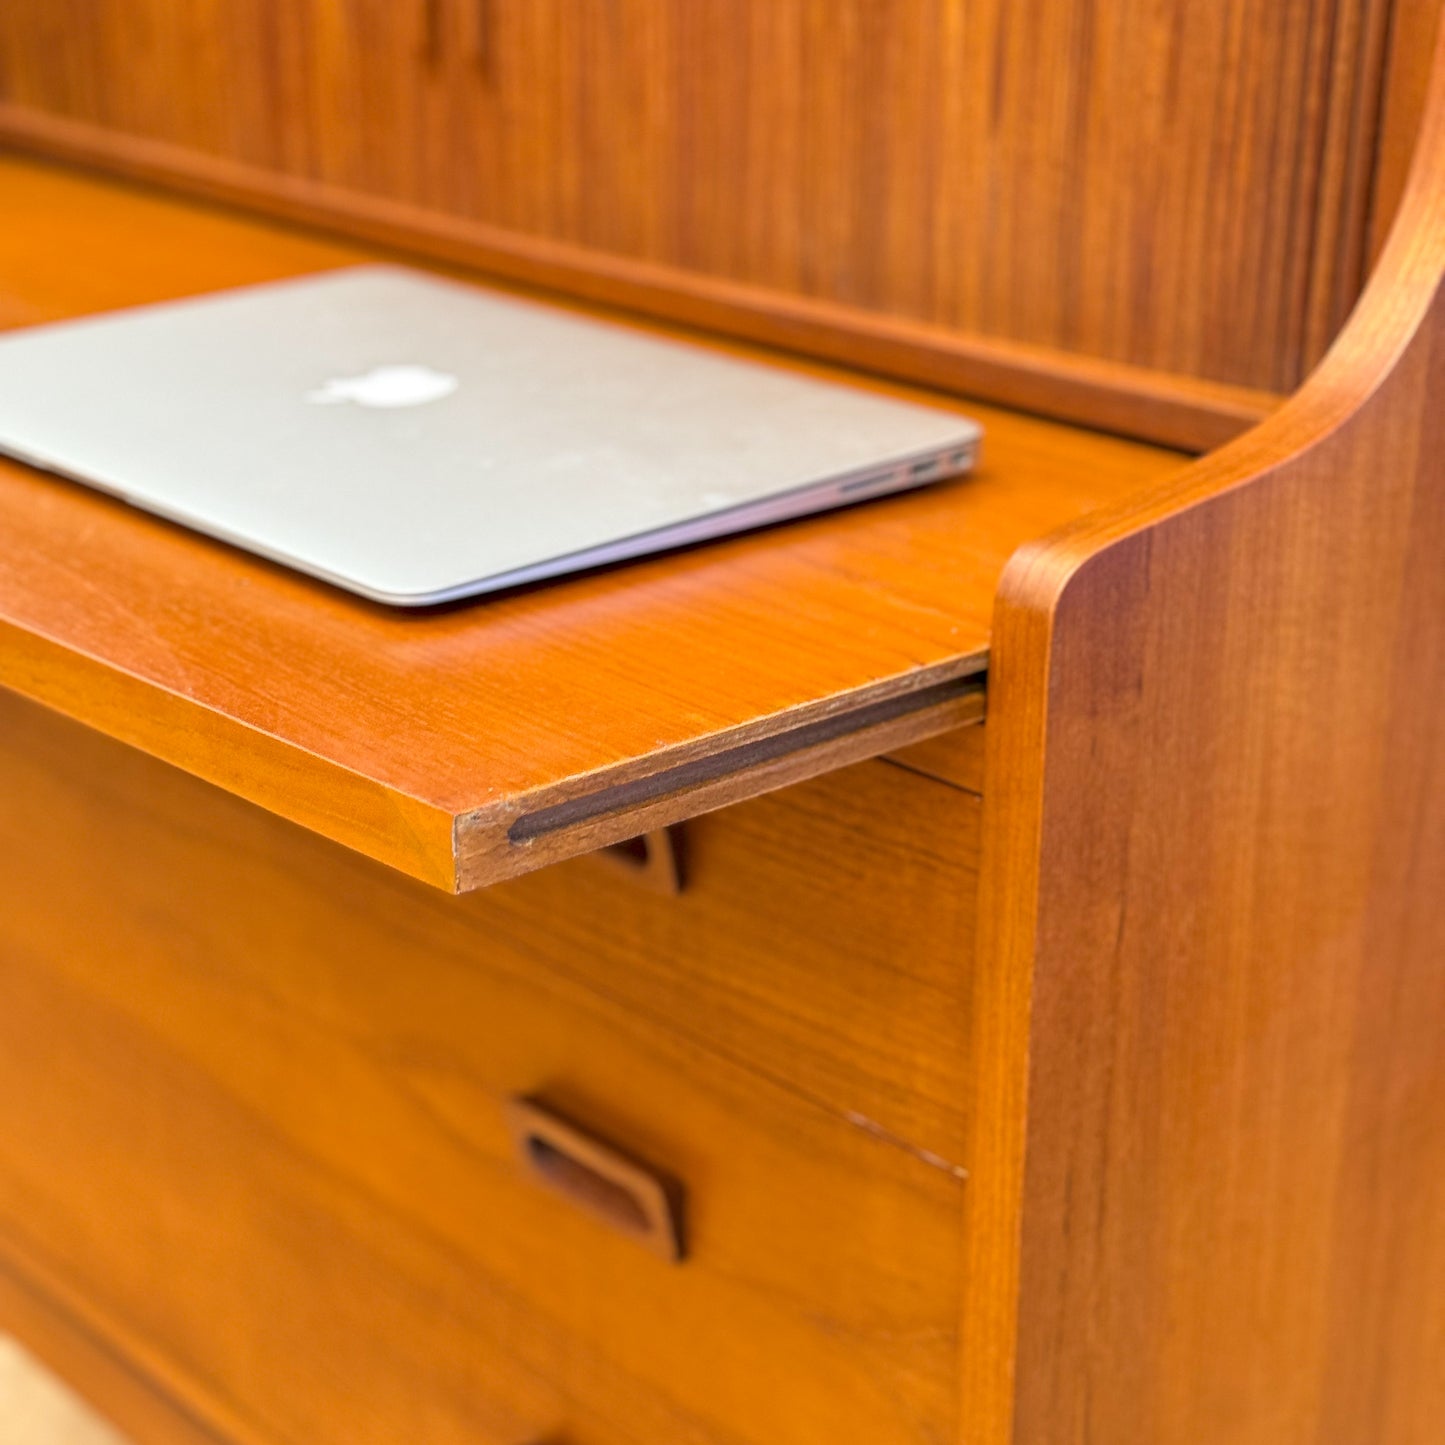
x: 1211, y: 927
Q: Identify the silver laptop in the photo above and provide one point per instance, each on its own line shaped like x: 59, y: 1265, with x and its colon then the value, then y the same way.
x: 418, y: 440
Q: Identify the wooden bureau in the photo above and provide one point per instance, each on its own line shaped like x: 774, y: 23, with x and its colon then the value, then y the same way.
x: 658, y: 1007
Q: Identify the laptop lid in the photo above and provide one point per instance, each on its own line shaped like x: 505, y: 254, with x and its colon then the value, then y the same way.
x: 417, y: 440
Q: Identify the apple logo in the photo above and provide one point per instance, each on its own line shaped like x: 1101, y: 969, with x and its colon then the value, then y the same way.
x: 386, y: 386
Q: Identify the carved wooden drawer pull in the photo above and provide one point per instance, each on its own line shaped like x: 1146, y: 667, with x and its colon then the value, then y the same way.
x: 614, y: 1186
x: 653, y: 859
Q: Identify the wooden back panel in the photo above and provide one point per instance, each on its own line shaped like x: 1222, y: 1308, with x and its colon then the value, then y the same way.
x: 1181, y: 188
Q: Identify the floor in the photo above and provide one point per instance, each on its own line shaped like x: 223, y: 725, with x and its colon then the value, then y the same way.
x: 36, y: 1409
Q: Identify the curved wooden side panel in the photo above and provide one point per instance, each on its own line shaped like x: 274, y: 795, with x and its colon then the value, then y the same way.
x: 1211, y: 1046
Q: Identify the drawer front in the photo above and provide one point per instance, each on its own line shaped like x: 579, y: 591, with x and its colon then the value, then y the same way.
x: 823, y: 936
x: 256, y: 1128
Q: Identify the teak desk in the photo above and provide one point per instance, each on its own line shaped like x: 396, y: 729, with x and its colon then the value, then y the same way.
x: 843, y: 1069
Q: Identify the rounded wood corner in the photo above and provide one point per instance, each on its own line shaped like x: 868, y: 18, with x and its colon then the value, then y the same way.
x: 1398, y: 303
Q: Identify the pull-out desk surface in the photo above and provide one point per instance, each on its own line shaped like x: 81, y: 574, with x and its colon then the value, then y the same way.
x: 470, y: 744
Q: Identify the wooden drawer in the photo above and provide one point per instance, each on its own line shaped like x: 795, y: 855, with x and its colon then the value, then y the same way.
x: 823, y: 937
x: 253, y: 1119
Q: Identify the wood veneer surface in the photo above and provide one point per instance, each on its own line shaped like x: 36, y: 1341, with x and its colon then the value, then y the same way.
x: 422, y: 739
x: 1212, y: 925
x: 1413, y: 27
x: 1183, y: 188
x: 254, y: 1092
x: 956, y: 758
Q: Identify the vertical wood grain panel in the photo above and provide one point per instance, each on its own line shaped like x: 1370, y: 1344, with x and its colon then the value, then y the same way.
x: 1410, y: 45
x: 1176, y: 186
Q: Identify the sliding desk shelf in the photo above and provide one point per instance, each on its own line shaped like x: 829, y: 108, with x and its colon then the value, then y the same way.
x: 471, y: 744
